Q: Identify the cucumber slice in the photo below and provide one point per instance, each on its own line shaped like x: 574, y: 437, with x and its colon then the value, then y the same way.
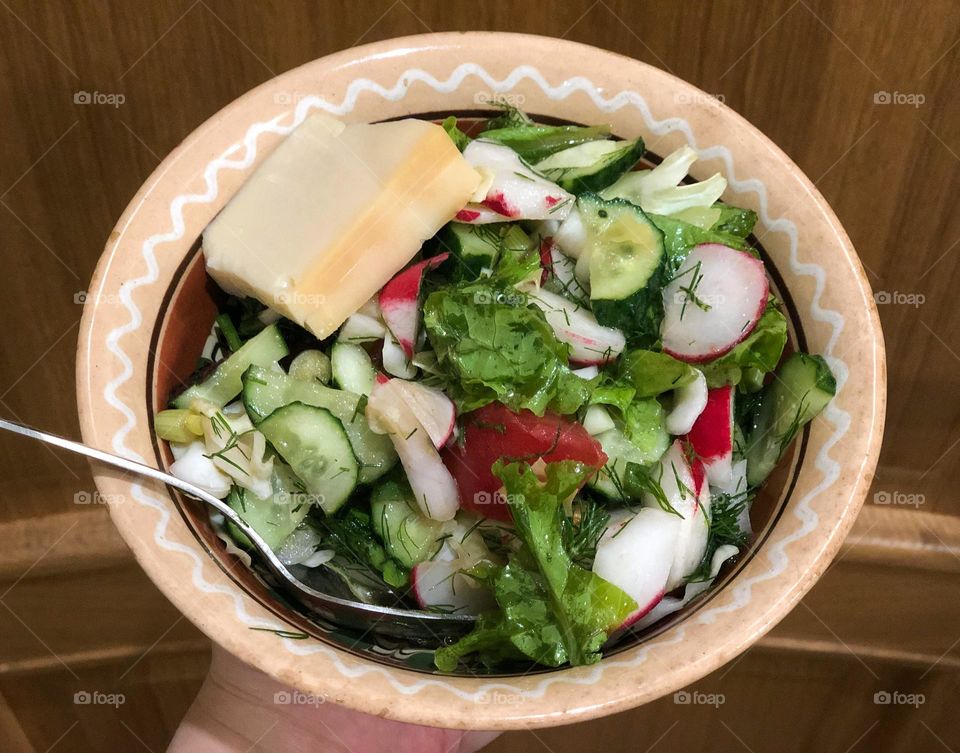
x: 591, y: 166
x: 225, y: 383
x: 640, y: 438
x: 266, y: 390
x: 313, y: 442
x: 311, y: 365
x: 644, y: 426
x: 625, y: 255
x: 352, y: 368
x: 408, y: 535
x: 477, y: 247
x: 619, y: 451
x: 275, y: 517
x: 802, y: 387
x: 534, y: 142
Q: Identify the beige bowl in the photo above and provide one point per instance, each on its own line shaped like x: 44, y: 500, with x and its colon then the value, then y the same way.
x: 150, y: 305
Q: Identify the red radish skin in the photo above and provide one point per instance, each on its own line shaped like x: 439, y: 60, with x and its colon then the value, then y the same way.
x: 712, y: 434
x: 479, y: 214
x: 699, y: 475
x: 493, y: 432
x: 546, y: 260
x: 515, y: 192
x: 642, y: 612
x: 499, y: 204
x: 733, y: 285
x: 399, y: 301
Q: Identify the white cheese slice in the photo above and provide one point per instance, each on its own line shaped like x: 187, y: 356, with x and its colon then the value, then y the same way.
x: 333, y: 213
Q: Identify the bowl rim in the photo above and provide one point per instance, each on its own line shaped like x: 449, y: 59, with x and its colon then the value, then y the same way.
x: 557, y: 702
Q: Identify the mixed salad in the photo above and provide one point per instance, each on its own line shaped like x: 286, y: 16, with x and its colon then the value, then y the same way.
x: 555, y: 417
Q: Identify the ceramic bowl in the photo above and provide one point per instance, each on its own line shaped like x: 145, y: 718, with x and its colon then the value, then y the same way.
x: 150, y: 306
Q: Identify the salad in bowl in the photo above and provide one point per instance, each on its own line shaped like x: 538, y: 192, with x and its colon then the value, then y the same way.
x: 512, y: 370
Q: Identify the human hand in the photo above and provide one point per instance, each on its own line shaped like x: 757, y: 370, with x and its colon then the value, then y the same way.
x: 236, y: 710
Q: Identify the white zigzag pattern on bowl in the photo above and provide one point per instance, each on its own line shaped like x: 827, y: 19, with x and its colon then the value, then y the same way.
x: 741, y: 591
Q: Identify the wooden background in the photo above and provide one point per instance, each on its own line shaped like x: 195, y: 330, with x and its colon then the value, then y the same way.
x: 861, y: 94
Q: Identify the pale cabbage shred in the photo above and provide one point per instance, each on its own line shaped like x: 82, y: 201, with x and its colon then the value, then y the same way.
x: 231, y: 452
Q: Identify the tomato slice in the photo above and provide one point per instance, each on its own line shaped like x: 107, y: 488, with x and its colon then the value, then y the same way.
x: 495, y: 432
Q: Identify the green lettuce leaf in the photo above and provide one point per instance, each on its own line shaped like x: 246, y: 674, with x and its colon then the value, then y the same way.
x: 756, y: 356
x: 734, y: 220
x: 652, y: 373
x: 584, y: 605
x: 609, y: 391
x: 492, y: 346
x: 680, y: 237
x: 552, y: 610
x: 643, y: 425
x: 458, y: 137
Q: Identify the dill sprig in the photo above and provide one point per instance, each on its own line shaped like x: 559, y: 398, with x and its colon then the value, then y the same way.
x: 582, y: 530
x: 725, y: 511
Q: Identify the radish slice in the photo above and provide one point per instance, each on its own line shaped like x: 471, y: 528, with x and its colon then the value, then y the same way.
x: 516, y: 192
x: 442, y: 583
x: 431, y: 482
x: 562, y: 269
x: 636, y: 553
x: 399, y: 302
x: 478, y: 214
x: 435, y: 411
x: 712, y: 436
x: 587, y: 372
x: 590, y: 342
x: 361, y: 328
x: 571, y: 236
x: 670, y: 604
x: 690, y: 497
x: 688, y: 403
x: 395, y: 360
x: 712, y: 303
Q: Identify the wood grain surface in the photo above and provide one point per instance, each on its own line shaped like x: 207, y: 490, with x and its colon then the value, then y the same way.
x: 860, y: 93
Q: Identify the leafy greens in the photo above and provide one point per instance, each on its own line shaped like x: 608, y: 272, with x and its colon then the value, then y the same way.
x: 551, y: 609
